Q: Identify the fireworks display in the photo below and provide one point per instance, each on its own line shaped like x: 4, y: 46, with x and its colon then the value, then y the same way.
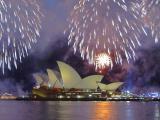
x: 150, y: 15
x: 19, y: 28
x: 102, y: 60
x: 105, y: 25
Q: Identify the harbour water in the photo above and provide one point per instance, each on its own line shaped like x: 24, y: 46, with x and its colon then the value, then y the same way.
x: 52, y: 110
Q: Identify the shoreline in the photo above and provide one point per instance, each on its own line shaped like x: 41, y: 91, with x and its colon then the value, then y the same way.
x: 86, y: 99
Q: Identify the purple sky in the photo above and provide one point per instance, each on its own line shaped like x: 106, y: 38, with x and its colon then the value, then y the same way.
x: 54, y: 21
x: 53, y: 25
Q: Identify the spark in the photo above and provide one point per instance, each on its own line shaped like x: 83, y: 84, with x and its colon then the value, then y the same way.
x: 105, y: 25
x: 102, y: 60
x: 150, y: 15
x: 20, y: 24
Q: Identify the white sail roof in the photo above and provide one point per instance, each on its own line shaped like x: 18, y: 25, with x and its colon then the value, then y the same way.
x: 69, y: 75
x: 58, y: 75
x: 90, y: 82
x: 110, y: 87
x: 53, y: 80
x: 69, y: 78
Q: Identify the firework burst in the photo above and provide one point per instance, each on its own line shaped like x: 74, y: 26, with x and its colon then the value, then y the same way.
x: 105, y: 25
x: 19, y: 28
x: 150, y: 15
x: 102, y: 61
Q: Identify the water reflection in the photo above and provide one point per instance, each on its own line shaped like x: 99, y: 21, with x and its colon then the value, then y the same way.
x: 157, y: 112
x: 23, y: 110
x: 103, y: 110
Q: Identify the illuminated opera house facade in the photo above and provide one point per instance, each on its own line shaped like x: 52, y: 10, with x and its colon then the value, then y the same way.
x: 67, y: 83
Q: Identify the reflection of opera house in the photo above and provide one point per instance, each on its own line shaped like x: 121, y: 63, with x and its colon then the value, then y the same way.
x: 68, y: 84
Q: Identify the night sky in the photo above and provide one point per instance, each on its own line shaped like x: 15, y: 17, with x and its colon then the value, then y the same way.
x: 52, y: 46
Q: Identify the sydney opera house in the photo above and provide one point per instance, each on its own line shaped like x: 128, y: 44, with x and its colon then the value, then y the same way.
x: 67, y: 83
